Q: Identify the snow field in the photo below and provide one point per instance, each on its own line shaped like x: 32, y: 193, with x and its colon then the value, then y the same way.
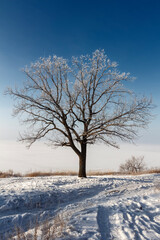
x: 104, y: 208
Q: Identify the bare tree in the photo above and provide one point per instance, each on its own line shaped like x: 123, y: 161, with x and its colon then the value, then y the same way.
x: 79, y: 103
x: 133, y: 165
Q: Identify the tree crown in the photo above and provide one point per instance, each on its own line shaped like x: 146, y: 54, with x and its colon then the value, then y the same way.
x: 82, y: 102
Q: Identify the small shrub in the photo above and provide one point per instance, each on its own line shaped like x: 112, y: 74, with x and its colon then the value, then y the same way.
x: 133, y: 165
x: 43, y: 174
x: 46, y: 231
x: 101, y: 173
x: 9, y: 173
x: 153, y: 170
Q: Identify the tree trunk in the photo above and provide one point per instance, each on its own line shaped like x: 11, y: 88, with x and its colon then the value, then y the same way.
x: 82, y: 161
x: 82, y: 166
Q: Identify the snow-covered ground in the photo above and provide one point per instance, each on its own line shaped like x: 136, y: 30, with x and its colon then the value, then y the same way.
x: 105, y: 207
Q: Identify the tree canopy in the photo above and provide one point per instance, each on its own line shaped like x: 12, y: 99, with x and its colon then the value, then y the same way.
x: 77, y: 103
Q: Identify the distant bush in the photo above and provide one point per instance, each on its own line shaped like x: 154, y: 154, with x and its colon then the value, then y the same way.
x: 38, y: 174
x: 133, y: 165
x: 42, y: 174
x: 101, y: 173
x: 9, y: 173
x: 153, y: 170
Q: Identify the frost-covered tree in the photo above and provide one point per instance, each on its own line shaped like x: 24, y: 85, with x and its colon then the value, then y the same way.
x: 79, y: 103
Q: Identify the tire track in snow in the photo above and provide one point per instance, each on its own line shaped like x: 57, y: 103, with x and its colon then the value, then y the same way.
x: 103, y: 222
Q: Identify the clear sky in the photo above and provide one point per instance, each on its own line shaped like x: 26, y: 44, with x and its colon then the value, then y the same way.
x: 128, y: 31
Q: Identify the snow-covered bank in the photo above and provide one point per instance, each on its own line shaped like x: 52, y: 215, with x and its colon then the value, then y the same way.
x: 108, y: 207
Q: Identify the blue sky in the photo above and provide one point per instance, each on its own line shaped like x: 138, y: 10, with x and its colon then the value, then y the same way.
x: 128, y: 31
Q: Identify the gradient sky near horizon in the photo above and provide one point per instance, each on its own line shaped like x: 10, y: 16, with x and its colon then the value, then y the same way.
x: 128, y: 31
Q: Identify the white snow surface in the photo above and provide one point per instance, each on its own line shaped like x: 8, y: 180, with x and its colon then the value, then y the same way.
x: 97, y: 207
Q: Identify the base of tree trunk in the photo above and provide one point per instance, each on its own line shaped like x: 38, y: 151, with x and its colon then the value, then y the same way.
x: 82, y: 176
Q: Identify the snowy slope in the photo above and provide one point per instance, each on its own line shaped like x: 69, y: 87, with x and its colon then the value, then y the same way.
x: 108, y: 207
